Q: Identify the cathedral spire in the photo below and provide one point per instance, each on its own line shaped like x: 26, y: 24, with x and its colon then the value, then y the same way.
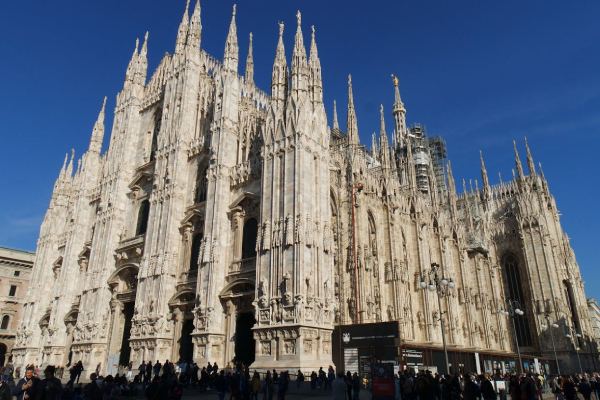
x: 374, y: 151
x: 230, y: 60
x: 142, y: 64
x: 336, y: 124
x: 352, y: 122
x: 182, y: 32
x: 280, y: 73
x: 484, y: 176
x: 299, y: 63
x: 250, y: 62
x: 132, y: 66
x: 63, y: 169
x: 530, y: 163
x: 69, y: 172
x: 98, y: 131
x: 519, y: 166
x: 399, y: 113
x: 384, y: 144
x: 316, y: 83
x: 195, y: 30
x: 451, y: 181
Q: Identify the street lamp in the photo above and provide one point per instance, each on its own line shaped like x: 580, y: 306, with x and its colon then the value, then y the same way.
x: 550, y: 326
x: 572, y: 334
x: 442, y: 287
x: 514, y: 310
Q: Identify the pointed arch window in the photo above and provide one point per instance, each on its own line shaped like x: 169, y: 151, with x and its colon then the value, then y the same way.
x: 155, y: 131
x: 195, y: 253
x: 570, y: 296
x: 142, y: 220
x: 201, y: 184
x: 515, y: 292
x: 249, y: 238
x: 5, y: 322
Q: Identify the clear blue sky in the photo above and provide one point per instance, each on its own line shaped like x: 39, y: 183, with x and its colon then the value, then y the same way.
x: 480, y: 73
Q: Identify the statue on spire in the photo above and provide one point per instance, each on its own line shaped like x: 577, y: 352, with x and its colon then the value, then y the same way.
x: 399, y: 114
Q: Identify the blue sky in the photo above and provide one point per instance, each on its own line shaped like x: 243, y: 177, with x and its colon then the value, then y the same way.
x: 480, y: 73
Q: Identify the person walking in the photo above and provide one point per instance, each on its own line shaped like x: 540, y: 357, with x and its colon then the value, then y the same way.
x: 50, y: 387
x: 92, y: 390
x: 282, y: 385
x: 255, y: 386
x: 156, y: 368
x: 355, y: 386
x: 487, y: 388
x: 148, y: 376
x: 220, y: 384
x: 28, y: 387
x: 569, y: 389
x: 5, y: 392
x: 585, y: 389
x: 339, y: 387
x: 471, y: 391
x: 349, y: 385
x: 268, y: 387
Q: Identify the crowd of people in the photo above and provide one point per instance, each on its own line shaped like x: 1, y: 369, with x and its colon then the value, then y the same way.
x: 166, y: 381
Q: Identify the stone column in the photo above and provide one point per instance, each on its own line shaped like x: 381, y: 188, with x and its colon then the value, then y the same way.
x: 230, y: 312
x: 178, y: 316
x: 116, y: 330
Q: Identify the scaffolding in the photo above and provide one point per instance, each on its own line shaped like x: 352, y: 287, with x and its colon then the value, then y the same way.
x: 439, y: 154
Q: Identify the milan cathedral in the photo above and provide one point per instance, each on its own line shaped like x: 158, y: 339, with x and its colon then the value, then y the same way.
x: 226, y: 224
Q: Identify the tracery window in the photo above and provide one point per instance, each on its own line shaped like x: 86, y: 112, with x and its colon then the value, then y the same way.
x: 515, y: 292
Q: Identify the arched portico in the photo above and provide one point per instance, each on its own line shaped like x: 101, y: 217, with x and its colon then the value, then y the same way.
x: 123, y: 284
x: 181, y: 305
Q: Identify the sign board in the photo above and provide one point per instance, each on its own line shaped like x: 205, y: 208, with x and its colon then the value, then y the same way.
x: 413, y: 358
x: 356, y: 347
x: 351, y: 359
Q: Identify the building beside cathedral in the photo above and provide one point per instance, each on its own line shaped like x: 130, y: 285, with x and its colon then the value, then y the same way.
x: 15, y: 271
x: 224, y: 223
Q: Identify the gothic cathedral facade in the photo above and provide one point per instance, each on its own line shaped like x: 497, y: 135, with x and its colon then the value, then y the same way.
x: 223, y: 223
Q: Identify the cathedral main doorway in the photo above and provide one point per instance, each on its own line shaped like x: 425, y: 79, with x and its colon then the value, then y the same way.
x: 237, y: 300
x: 244, y: 339
x: 125, y: 349
x: 186, y: 347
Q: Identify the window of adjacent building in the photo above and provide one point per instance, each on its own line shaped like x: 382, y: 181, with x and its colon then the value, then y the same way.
x: 142, y: 222
x: 12, y: 291
x: 17, y: 273
x: 5, y: 321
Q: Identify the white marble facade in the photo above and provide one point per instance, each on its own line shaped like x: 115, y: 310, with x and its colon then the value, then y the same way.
x: 221, y: 217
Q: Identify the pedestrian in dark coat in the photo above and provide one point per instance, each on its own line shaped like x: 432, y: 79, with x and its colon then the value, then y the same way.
x: 28, y: 385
